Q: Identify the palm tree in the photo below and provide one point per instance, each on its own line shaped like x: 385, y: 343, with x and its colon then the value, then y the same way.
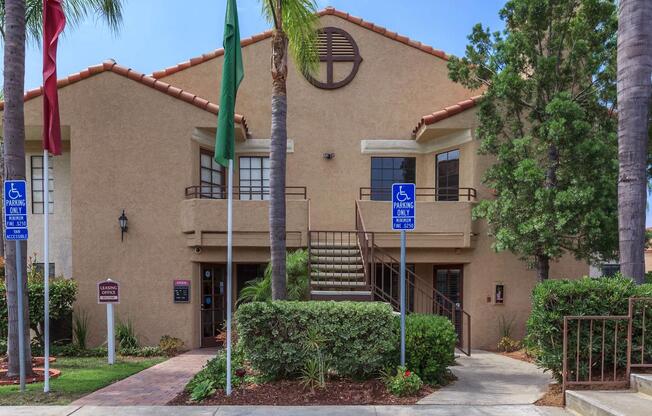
x: 634, y: 93
x: 17, y: 19
x: 294, y: 27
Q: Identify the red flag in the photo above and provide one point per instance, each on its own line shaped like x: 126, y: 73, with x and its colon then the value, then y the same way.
x: 53, y: 23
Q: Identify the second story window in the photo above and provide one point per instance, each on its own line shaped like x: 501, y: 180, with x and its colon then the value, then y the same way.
x: 388, y: 170
x: 38, y: 200
x: 448, y: 176
x: 211, y: 176
x: 254, y: 178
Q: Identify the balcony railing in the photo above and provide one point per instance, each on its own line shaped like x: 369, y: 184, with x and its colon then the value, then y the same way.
x: 422, y: 194
x: 244, y: 193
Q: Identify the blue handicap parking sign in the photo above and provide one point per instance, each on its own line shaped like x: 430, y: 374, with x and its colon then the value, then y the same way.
x: 15, y: 199
x: 403, y: 206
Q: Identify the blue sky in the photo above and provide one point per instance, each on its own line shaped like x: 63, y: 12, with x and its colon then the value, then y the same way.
x: 160, y: 33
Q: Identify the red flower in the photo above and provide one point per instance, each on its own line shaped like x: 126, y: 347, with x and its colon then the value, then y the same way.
x: 407, y: 373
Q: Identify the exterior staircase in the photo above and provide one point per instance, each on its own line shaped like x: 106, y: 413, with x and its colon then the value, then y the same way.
x: 348, y: 265
x: 337, y: 271
x: 634, y: 402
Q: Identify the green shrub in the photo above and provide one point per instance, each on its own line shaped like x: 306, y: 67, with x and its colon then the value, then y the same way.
x: 214, y: 372
x: 429, y: 346
x: 508, y: 344
x: 360, y: 338
x: 141, y: 352
x: 72, y: 350
x: 63, y: 293
x: 170, y: 346
x: 125, y: 334
x: 403, y: 383
x: 298, y: 281
x: 202, y: 390
x: 554, y: 299
x: 80, y: 328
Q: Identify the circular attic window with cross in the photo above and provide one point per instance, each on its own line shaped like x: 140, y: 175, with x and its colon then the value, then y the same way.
x: 340, y: 54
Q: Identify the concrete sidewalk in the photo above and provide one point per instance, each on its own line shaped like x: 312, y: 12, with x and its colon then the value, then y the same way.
x: 489, y: 379
x: 419, y: 410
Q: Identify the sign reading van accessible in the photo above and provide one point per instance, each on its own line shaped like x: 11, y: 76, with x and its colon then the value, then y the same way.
x: 15, y: 200
x: 108, y: 291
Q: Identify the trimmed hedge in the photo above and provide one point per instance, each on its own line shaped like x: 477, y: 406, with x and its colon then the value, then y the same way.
x: 429, y: 346
x: 554, y: 299
x: 359, y: 337
x: 63, y: 293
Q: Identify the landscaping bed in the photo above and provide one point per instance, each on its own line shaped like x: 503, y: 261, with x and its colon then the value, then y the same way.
x: 79, y: 377
x: 326, y: 353
x: 293, y: 393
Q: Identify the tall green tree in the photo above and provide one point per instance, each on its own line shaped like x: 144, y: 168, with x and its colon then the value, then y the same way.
x: 549, y: 81
x: 19, y: 18
x: 634, y: 93
x: 294, y: 29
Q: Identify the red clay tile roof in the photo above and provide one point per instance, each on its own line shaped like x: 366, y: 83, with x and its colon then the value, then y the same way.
x: 143, y: 79
x: 445, y: 113
x: 330, y: 11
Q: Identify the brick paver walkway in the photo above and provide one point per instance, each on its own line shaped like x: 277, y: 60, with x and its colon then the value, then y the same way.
x: 156, y: 385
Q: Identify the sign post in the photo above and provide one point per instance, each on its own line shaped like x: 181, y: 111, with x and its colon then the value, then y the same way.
x: 15, y: 221
x: 403, y: 215
x: 108, y: 292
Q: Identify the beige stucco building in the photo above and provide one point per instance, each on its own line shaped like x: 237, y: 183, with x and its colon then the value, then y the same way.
x: 381, y: 110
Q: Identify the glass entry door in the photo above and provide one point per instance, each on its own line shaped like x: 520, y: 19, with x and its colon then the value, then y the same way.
x: 448, y: 282
x: 213, y: 302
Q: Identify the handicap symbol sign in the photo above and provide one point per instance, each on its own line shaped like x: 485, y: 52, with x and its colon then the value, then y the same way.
x: 403, y: 206
x: 15, y: 201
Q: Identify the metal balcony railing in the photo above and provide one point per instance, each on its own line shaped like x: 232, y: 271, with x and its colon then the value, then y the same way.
x: 422, y: 194
x: 243, y: 193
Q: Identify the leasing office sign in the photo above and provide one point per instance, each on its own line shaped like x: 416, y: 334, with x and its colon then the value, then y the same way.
x: 108, y: 291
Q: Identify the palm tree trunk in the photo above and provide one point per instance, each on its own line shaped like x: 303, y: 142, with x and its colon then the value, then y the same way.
x: 14, y: 158
x: 278, y: 155
x: 634, y: 92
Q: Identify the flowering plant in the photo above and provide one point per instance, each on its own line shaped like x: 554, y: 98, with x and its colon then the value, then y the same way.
x: 403, y: 383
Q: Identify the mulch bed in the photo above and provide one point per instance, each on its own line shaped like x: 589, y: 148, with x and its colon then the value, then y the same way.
x: 38, y: 374
x: 553, y: 397
x: 289, y: 393
x: 518, y: 355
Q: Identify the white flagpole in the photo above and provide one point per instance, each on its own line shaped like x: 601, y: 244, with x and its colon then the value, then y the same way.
x: 229, y: 271
x: 46, y: 269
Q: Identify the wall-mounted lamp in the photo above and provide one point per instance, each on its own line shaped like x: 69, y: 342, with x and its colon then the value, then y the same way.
x: 329, y: 156
x: 500, y: 294
x: 123, y: 225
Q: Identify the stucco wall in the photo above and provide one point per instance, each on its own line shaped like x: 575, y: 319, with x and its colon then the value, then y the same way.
x: 132, y: 148
x: 60, y: 250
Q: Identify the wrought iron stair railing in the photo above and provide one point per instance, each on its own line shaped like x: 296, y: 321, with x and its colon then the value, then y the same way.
x: 382, y: 275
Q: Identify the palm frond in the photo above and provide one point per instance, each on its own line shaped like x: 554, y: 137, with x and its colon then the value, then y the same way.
x: 110, y: 11
x: 299, y: 22
x: 300, y: 25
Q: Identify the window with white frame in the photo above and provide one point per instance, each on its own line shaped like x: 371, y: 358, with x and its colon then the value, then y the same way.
x: 254, y: 178
x: 38, y: 199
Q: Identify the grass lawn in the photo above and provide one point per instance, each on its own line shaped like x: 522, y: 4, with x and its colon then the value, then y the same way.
x: 79, y: 376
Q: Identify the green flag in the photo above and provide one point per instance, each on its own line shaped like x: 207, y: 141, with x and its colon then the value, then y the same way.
x: 232, y: 74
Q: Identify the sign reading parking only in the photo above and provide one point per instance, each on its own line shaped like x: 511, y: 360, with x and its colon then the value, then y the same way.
x: 403, y: 206
x: 15, y: 210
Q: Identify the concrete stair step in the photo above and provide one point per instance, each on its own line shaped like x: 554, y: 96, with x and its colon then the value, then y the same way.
x: 340, y: 295
x: 318, y: 268
x: 642, y: 383
x: 329, y: 283
x: 336, y: 260
x: 334, y: 252
x: 608, y: 403
x: 335, y: 276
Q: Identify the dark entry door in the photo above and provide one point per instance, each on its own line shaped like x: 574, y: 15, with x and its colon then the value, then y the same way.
x: 449, y: 282
x: 213, y: 302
